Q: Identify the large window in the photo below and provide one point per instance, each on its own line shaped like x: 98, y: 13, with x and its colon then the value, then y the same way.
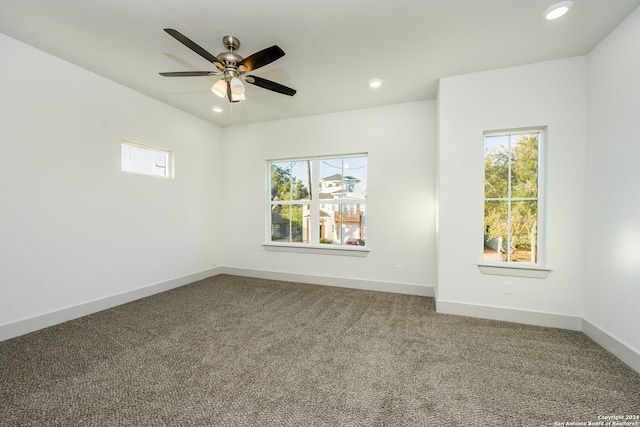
x: 512, y: 196
x: 146, y: 160
x: 317, y: 201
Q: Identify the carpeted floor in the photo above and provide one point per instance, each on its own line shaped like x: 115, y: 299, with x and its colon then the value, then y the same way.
x: 233, y: 351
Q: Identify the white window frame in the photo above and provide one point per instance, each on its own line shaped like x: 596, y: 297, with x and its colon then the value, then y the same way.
x: 168, y: 159
x: 314, y: 247
x: 539, y: 269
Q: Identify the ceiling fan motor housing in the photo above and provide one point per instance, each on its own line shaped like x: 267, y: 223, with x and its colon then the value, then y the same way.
x: 230, y: 59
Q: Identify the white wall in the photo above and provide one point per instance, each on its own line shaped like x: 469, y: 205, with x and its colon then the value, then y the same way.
x: 401, y: 144
x: 549, y: 94
x: 612, y: 286
x: 74, y: 228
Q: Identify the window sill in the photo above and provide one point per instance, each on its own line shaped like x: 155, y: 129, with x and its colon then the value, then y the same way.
x: 320, y: 250
x: 531, y: 271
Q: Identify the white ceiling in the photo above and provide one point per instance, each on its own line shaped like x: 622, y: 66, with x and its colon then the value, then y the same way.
x: 333, y: 47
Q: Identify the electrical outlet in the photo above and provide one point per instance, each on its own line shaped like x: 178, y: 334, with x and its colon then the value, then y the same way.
x: 399, y: 269
x: 508, y: 288
x: 156, y: 267
x: 257, y: 256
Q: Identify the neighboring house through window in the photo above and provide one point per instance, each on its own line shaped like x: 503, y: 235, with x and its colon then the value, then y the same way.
x: 318, y: 200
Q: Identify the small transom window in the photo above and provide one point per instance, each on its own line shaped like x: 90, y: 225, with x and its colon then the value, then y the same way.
x: 146, y: 160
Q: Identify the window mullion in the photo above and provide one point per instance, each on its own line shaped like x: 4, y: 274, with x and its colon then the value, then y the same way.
x: 314, y: 204
x: 509, y: 202
x: 291, y: 182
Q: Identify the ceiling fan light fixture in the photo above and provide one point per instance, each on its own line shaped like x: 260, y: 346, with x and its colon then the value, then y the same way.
x: 557, y: 10
x: 220, y: 88
x: 235, y: 97
x: 237, y: 88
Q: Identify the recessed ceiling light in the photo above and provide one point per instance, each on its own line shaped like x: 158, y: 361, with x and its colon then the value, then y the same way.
x: 375, y: 83
x: 557, y: 10
x: 217, y: 109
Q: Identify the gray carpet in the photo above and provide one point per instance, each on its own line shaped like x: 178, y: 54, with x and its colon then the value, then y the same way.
x: 232, y: 351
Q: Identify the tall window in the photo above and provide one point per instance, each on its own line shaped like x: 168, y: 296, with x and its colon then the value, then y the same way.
x: 512, y: 196
x: 145, y: 159
x: 320, y: 200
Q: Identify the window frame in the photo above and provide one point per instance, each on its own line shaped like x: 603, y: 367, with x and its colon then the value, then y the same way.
x: 314, y: 246
x: 539, y: 269
x: 168, y: 155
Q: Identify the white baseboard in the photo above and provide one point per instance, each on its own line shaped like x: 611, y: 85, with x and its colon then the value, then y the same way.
x: 600, y: 336
x: 612, y: 344
x: 623, y: 352
x: 25, y: 326
x: 368, y: 285
x: 551, y: 320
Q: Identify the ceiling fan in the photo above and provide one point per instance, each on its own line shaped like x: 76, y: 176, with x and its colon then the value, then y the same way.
x: 232, y: 67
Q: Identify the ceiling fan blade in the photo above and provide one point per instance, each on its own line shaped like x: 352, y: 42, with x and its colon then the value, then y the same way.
x: 190, y: 73
x: 271, y: 85
x: 261, y: 58
x: 192, y: 45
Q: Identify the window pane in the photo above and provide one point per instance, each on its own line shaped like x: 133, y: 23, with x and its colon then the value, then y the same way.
x: 281, y: 181
x: 496, y: 230
x: 290, y: 223
x: 327, y: 223
x: 524, y: 230
x: 144, y: 160
x: 301, y: 178
x: 343, y: 224
x: 290, y: 180
x: 496, y: 167
x: 343, y: 177
x: 524, y: 165
x: 352, y: 226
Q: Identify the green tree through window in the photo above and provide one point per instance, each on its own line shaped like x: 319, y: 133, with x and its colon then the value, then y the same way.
x: 511, y: 194
x: 284, y: 186
x: 286, y: 217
